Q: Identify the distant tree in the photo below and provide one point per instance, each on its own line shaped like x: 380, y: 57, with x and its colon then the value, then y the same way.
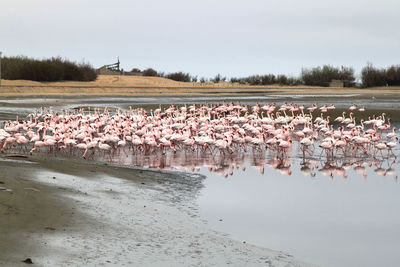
x: 254, y: 80
x: 322, y: 76
x: 150, y: 72
x: 393, y: 75
x: 136, y: 70
x: 282, y: 79
x: 234, y: 80
x: 346, y: 74
x: 179, y: 76
x: 217, y: 78
x: 54, y: 69
x: 371, y: 76
x: 268, y: 79
x: 293, y: 81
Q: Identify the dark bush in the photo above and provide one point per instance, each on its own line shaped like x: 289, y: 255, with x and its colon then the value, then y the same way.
x: 372, y: 76
x: 136, y: 70
x: 254, y: 80
x: 282, y: 79
x: 150, y: 72
x: 218, y: 78
x: 179, y: 76
x: 393, y: 75
x: 268, y: 79
x: 54, y: 69
x: 234, y: 80
x: 322, y: 76
x: 294, y: 81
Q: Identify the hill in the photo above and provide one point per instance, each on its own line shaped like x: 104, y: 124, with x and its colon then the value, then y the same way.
x: 140, y: 85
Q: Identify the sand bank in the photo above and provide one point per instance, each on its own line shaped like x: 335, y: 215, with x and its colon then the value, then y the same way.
x: 66, y: 213
x: 154, y: 86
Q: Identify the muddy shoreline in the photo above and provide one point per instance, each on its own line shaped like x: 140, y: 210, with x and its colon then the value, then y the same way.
x: 114, y: 85
x: 70, y: 213
x: 81, y: 91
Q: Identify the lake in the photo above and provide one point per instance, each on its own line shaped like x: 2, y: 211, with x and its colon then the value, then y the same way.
x: 336, y: 211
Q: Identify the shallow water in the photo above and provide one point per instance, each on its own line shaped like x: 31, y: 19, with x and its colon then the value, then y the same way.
x: 23, y: 104
x: 350, y: 221
x: 332, y: 212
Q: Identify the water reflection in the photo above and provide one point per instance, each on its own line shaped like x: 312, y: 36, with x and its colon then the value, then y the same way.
x: 221, y: 137
x: 327, y: 219
x: 306, y: 174
x: 227, y: 165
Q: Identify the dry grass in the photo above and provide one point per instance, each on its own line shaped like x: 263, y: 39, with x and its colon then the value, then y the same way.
x: 138, y: 85
x: 105, y: 80
x: 133, y: 81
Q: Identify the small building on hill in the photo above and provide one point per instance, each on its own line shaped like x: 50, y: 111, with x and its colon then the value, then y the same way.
x: 106, y: 71
x: 110, y: 69
x: 114, y: 69
x: 336, y: 83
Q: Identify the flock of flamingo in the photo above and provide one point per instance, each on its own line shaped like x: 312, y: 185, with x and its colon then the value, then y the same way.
x: 219, y: 132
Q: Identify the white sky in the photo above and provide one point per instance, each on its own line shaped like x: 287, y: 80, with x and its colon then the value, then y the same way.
x: 206, y: 37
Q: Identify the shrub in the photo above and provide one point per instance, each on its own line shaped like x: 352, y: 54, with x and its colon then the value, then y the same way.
x: 136, y: 70
x: 393, y: 75
x: 150, y: 72
x: 371, y: 76
x: 294, y: 81
x: 179, y: 76
x: 267, y: 79
x: 218, y: 78
x: 54, y: 69
x: 322, y: 76
x: 282, y: 79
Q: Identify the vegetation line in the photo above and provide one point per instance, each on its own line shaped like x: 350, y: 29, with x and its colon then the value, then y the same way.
x: 317, y: 76
x: 58, y: 69
x: 46, y: 70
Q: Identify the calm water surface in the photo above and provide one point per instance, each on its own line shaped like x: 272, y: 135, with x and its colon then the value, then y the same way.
x: 351, y: 221
x: 336, y: 213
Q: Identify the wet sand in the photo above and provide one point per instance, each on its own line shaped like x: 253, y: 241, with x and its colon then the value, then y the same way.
x: 70, y: 213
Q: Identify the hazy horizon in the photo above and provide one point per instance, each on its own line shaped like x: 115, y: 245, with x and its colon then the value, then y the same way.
x: 206, y: 37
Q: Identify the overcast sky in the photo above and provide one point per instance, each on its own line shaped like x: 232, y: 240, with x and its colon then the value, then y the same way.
x: 206, y: 37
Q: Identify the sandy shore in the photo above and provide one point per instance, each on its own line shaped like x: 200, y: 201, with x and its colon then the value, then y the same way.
x: 155, y: 86
x: 67, y: 213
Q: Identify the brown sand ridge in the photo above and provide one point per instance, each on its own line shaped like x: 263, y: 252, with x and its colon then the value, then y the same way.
x: 146, y: 86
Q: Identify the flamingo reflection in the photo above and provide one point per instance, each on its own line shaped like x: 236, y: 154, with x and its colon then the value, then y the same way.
x: 221, y: 137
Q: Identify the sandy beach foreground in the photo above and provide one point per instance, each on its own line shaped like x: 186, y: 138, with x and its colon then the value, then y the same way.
x: 107, y: 85
x: 68, y: 213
